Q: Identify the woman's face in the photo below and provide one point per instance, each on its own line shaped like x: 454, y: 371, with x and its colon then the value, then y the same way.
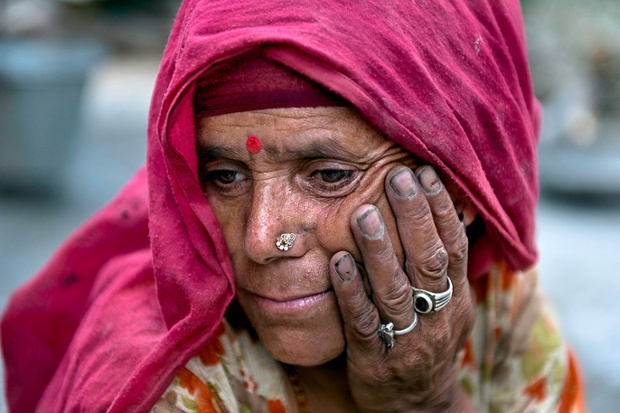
x: 314, y: 167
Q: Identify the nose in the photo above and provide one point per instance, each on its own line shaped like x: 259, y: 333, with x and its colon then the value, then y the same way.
x: 271, y: 215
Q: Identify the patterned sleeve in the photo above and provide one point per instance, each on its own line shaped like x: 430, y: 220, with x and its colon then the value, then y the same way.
x: 516, y: 359
x: 232, y: 374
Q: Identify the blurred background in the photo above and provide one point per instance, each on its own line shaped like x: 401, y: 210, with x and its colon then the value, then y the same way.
x: 75, y: 84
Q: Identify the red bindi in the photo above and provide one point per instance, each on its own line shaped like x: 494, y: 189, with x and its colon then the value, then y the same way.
x: 253, y: 144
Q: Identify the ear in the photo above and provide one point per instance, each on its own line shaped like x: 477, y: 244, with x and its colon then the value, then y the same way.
x: 463, y: 206
x: 461, y: 203
x: 469, y: 213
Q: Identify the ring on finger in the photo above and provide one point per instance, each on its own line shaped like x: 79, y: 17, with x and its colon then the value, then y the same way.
x: 425, y: 302
x: 387, y: 333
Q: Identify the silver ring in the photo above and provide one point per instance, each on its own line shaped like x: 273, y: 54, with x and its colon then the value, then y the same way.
x: 425, y: 302
x: 387, y: 332
x: 285, y: 241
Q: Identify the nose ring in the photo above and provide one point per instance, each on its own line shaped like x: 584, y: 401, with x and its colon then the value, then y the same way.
x: 285, y: 241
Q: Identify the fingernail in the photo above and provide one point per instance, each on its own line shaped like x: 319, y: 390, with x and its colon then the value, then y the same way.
x: 403, y: 184
x: 429, y: 180
x: 345, y: 267
x: 370, y: 223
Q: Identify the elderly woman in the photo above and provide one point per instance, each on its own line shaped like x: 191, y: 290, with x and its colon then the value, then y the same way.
x: 340, y: 217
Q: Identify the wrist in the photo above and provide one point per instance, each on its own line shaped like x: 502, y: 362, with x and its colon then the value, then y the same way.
x: 454, y: 400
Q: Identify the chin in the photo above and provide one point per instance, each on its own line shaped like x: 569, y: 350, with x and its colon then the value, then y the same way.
x: 308, y: 335
x: 307, y: 356
x: 305, y: 348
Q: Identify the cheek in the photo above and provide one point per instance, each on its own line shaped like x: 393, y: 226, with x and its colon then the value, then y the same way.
x: 334, y: 228
x: 230, y: 219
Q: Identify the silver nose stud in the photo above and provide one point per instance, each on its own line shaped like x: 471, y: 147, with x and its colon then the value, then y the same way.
x: 285, y: 241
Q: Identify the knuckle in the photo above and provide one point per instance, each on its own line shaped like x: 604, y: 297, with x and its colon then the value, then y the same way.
x: 419, y: 210
x: 365, y: 324
x: 459, y: 252
x: 397, y: 300
x: 435, y: 264
x: 444, y: 208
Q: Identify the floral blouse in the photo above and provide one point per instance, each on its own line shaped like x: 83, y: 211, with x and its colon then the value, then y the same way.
x: 514, y: 361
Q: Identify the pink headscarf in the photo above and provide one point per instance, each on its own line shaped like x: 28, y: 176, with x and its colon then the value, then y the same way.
x: 120, y: 308
x: 253, y: 82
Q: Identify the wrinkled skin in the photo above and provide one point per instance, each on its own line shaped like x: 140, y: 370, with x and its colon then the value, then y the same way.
x: 327, y: 176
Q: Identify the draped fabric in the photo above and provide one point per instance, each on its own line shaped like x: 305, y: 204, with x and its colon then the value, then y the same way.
x: 253, y: 82
x: 140, y: 287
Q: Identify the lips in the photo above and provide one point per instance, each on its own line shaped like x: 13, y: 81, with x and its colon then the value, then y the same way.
x: 285, y: 287
x: 297, y: 297
x: 291, y: 303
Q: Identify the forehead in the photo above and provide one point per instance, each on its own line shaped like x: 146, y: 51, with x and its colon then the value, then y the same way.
x: 341, y: 131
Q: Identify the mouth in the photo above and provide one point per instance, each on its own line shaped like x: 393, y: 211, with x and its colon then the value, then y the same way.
x: 298, y: 302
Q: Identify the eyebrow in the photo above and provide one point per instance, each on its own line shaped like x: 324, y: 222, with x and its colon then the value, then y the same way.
x: 331, y: 150
x: 207, y: 152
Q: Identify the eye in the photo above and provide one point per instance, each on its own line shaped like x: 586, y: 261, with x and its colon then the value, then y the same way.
x: 332, y: 179
x: 333, y: 175
x: 224, y: 181
x: 223, y: 177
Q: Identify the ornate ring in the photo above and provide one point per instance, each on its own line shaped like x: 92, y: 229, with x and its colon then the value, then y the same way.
x: 285, y: 241
x: 425, y: 302
x: 387, y: 332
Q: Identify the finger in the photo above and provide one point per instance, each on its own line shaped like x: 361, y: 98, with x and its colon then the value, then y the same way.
x: 359, y: 315
x: 449, y: 227
x: 426, y: 258
x: 391, y: 288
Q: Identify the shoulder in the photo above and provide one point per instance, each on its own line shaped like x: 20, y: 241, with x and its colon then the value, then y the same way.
x: 516, y: 357
x: 232, y: 372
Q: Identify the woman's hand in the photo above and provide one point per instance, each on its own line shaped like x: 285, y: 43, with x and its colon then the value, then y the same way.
x: 419, y: 372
